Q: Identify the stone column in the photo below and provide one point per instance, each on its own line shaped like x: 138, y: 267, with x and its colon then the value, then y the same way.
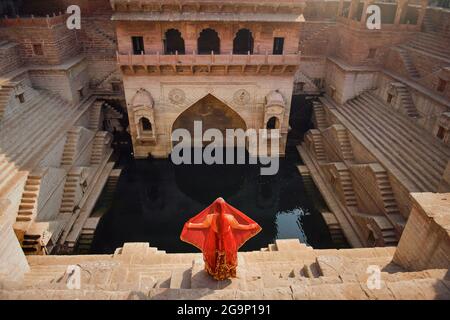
x: 423, y: 10
x: 402, y: 8
x: 353, y: 7
x: 340, y: 8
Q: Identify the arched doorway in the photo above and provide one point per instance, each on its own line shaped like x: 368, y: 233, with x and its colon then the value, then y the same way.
x: 146, y: 125
x: 213, y: 113
x: 173, y: 42
x: 273, y: 123
x: 208, y: 42
x: 243, y: 42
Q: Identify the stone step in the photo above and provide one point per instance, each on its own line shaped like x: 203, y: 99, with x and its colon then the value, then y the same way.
x: 47, y: 114
x: 374, y: 138
x: 381, y: 146
x: 422, y: 138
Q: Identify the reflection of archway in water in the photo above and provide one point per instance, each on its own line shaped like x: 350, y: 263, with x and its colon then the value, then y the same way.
x: 200, y: 182
x: 205, y: 183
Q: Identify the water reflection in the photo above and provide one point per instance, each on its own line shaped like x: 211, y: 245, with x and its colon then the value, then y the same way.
x: 155, y: 198
x: 289, y: 224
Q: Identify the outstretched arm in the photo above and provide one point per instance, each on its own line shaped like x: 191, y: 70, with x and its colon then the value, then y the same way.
x: 236, y: 225
x: 205, y: 224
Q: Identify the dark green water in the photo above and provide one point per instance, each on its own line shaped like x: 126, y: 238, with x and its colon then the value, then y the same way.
x: 155, y: 198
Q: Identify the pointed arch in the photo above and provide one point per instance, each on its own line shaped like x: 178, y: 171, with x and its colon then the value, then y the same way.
x: 173, y: 42
x: 208, y: 42
x: 243, y: 42
x: 212, y: 112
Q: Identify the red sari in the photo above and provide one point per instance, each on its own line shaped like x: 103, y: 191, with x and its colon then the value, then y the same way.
x: 219, y: 231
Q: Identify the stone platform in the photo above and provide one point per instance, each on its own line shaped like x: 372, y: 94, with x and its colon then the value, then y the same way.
x: 285, y: 270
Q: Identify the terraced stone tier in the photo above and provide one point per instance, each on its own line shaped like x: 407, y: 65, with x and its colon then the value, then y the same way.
x: 290, y: 271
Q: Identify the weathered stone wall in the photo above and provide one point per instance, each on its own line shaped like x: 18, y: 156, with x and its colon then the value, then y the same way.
x: 315, y: 37
x: 440, y: 19
x: 9, y: 57
x: 169, y: 106
x: 84, y: 148
x: 366, y: 189
x: 43, y: 7
x: 50, y: 194
x: 58, y: 43
x: 428, y: 108
x: 425, y: 243
x: 321, y: 10
x: 394, y: 63
x: 54, y: 156
x: 13, y: 263
x: 353, y: 45
x: 347, y: 82
x: 65, y: 82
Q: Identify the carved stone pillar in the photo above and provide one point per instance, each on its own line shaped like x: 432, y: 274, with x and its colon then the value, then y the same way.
x: 353, y: 8
x: 402, y: 8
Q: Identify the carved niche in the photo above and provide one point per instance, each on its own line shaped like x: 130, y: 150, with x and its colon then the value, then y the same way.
x: 142, y: 106
x: 274, y: 110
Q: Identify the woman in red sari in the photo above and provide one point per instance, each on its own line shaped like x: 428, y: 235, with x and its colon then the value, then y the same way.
x: 219, y: 231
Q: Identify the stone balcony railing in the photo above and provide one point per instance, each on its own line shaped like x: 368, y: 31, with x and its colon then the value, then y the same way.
x: 192, y: 63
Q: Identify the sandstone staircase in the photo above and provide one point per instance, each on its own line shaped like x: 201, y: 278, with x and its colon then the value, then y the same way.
x: 408, y: 63
x: 70, y: 192
x: 431, y: 42
x: 387, y: 230
x: 290, y: 271
x: 28, y: 210
x: 407, y: 101
x: 29, y: 203
x: 387, y: 196
x: 5, y: 95
x: 99, y: 37
x: 344, y: 143
x: 113, y: 112
x: 94, y: 116
x: 335, y: 229
x: 70, y: 147
x: 98, y: 83
x: 108, y: 35
x: 87, y: 236
x: 399, y: 144
x: 428, y: 25
x: 319, y: 148
x: 32, y: 243
x: 320, y: 117
x: 34, y: 127
x: 345, y: 180
x: 98, y: 148
x: 111, y: 186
